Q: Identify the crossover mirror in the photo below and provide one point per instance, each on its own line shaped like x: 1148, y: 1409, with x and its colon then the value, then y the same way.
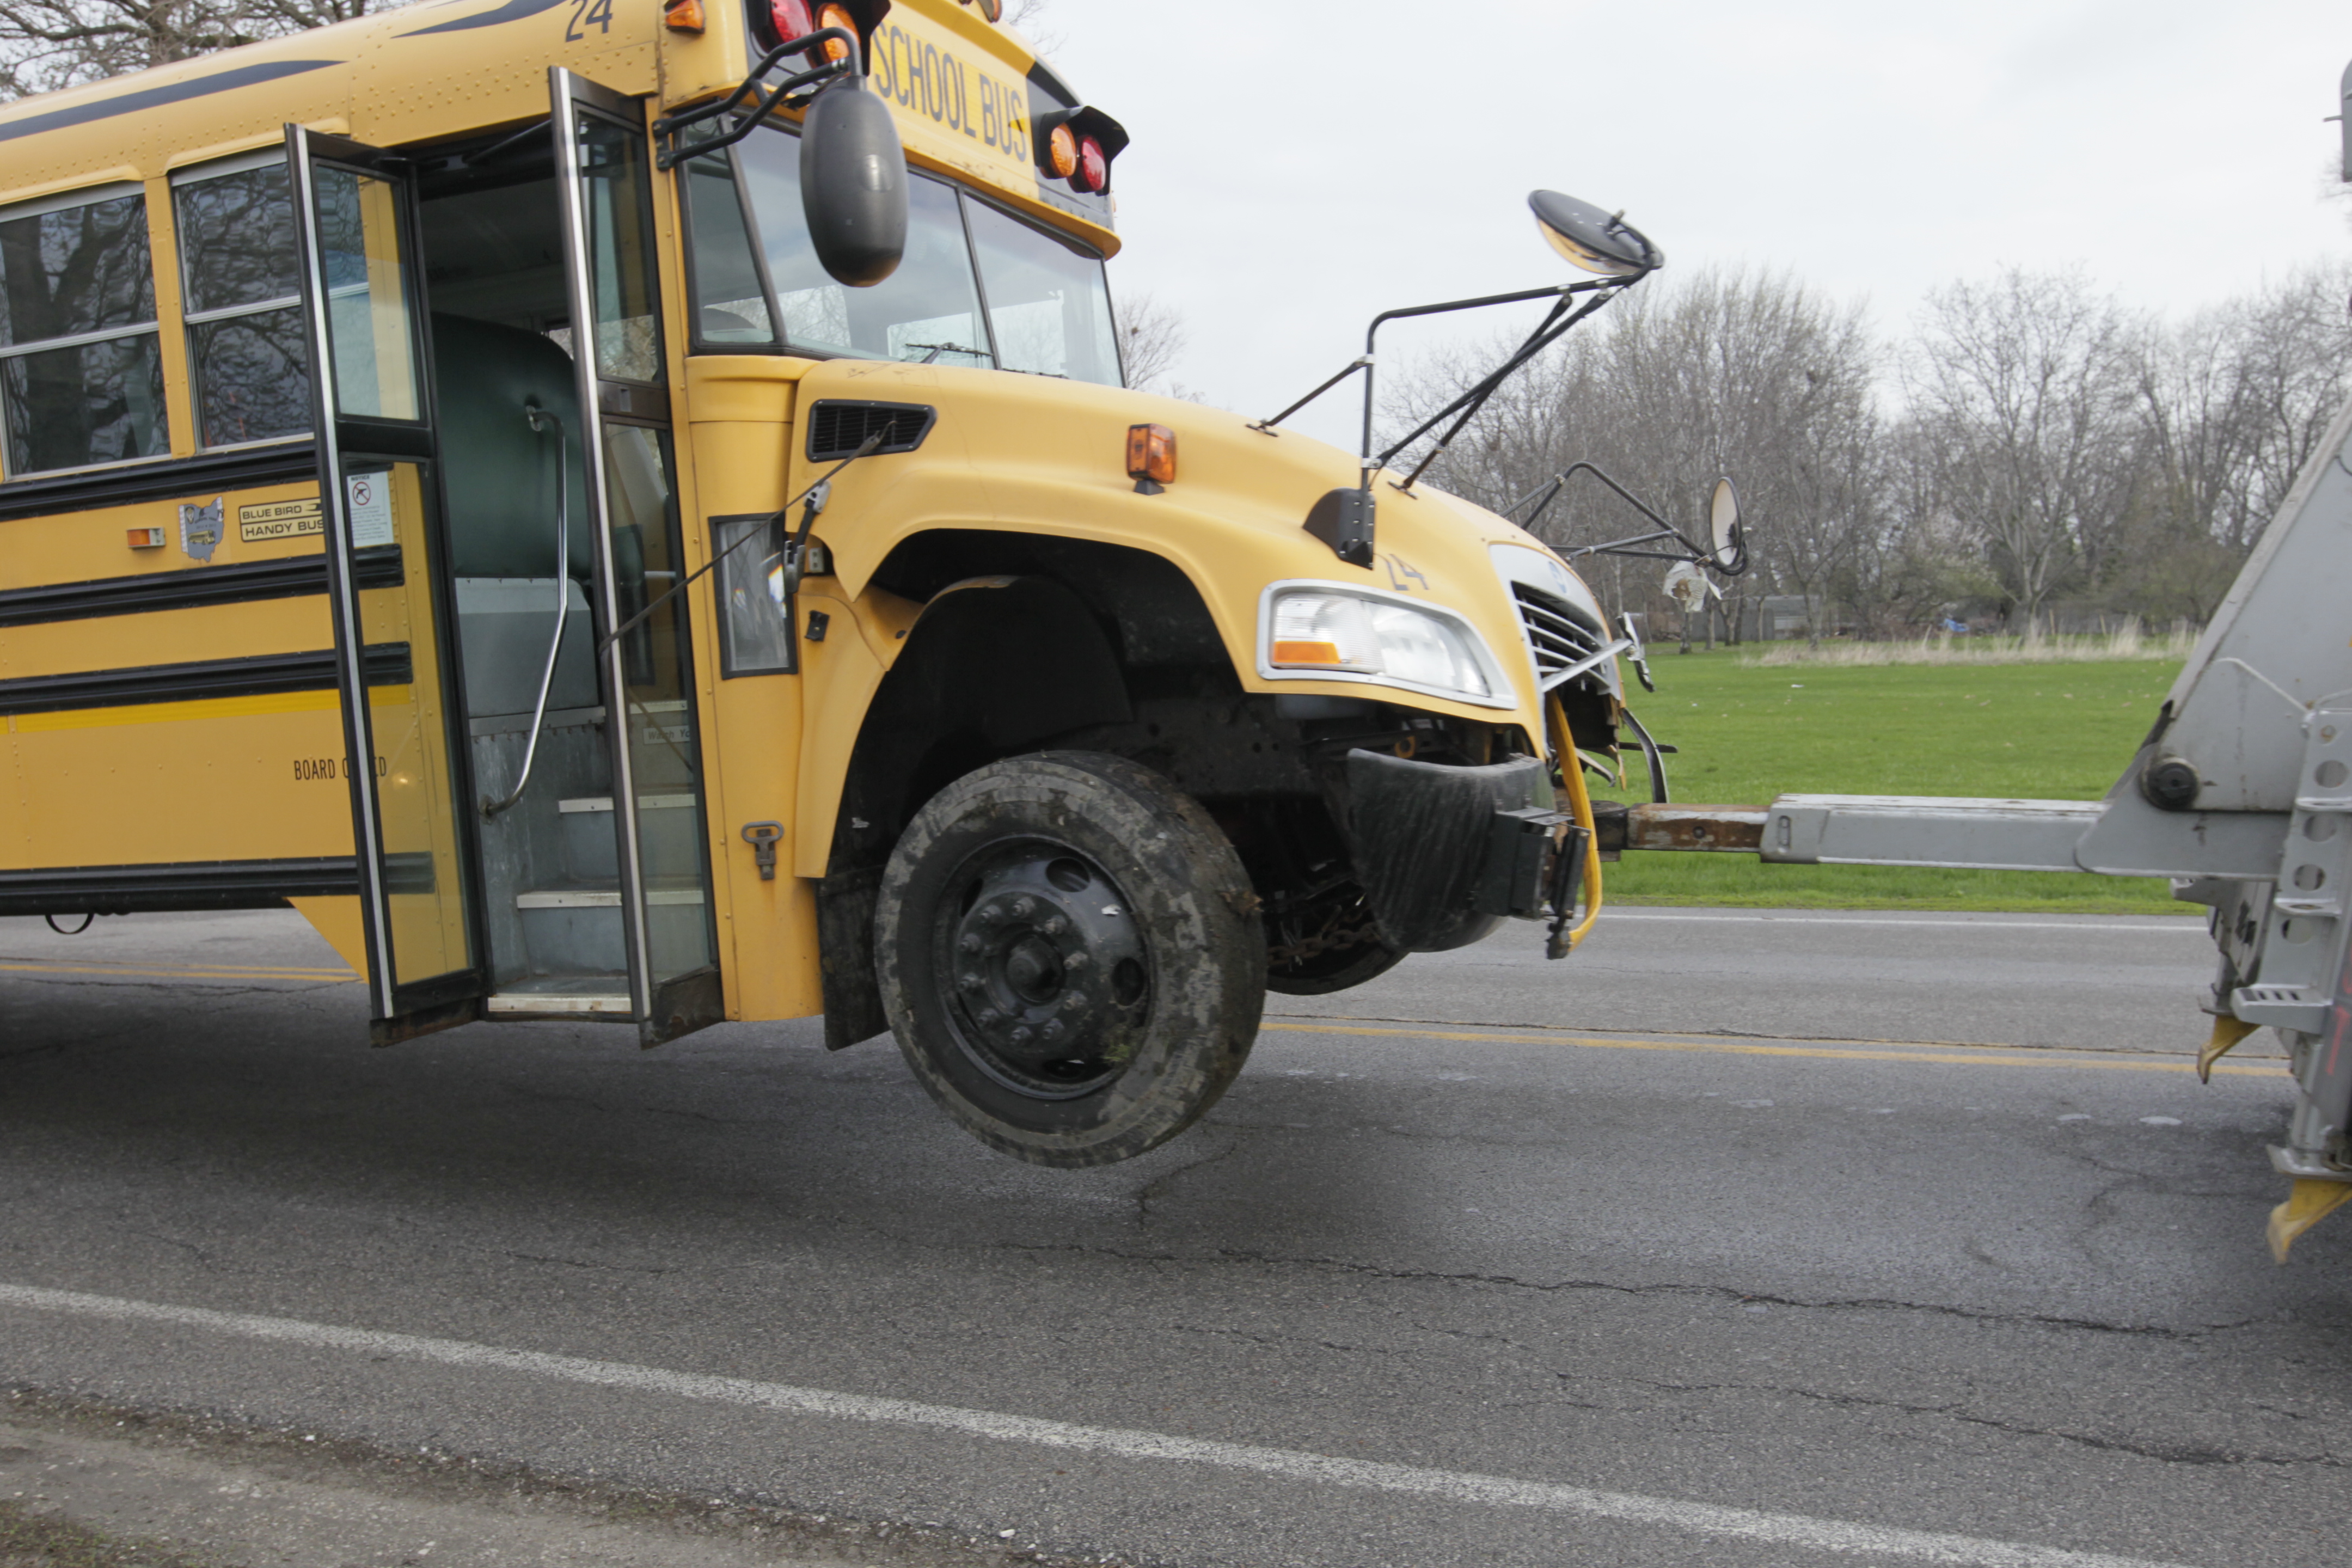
x: 1592, y: 239
x: 1728, y: 534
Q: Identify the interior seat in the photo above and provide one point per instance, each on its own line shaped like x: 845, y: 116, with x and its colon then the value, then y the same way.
x: 500, y: 475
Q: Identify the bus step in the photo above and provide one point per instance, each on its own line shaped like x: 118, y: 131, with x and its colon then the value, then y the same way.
x: 564, y: 997
x: 576, y: 929
x: 666, y: 830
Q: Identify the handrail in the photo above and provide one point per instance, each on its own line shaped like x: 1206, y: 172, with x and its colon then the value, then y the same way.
x: 563, y: 606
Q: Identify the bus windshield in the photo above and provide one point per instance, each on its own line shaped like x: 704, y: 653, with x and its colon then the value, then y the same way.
x: 978, y: 286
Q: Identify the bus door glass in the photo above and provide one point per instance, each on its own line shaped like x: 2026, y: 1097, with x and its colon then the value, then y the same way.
x: 605, y: 171
x: 372, y: 412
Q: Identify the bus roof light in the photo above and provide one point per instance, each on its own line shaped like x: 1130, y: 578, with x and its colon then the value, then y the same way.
x: 836, y: 15
x: 791, y: 19
x: 1061, y: 152
x: 1150, y: 458
x: 1093, y: 168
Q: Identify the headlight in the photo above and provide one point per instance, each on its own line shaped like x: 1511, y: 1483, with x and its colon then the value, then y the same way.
x: 1329, y: 632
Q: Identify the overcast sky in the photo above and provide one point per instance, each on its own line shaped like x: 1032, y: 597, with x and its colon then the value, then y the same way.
x: 1299, y: 165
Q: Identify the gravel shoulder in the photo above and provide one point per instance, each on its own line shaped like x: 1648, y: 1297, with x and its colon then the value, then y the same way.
x: 95, y: 1486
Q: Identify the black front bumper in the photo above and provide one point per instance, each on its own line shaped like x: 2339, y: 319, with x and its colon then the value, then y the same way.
x: 1444, y: 854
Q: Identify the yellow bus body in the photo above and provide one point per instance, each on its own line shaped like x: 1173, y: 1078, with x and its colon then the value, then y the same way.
x: 261, y: 777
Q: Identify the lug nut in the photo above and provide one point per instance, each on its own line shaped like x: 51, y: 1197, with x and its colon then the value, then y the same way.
x: 1073, y: 1001
x: 1021, y: 1037
x: 969, y: 982
x: 1052, y: 1031
x: 1055, y: 926
x: 1076, y: 960
x: 1023, y: 908
x: 969, y: 943
x: 990, y: 1015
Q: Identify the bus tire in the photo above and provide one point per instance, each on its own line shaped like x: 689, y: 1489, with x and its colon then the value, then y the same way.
x: 1070, y: 956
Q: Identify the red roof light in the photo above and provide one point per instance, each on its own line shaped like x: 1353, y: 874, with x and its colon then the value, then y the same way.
x: 1093, y: 168
x: 791, y: 19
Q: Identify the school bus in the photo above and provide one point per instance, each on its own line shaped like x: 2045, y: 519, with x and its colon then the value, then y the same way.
x: 468, y: 474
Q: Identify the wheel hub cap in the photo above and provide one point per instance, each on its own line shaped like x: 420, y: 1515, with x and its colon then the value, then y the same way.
x: 1047, y: 976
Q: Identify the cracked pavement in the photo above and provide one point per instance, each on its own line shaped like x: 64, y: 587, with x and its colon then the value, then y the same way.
x: 2024, y: 1303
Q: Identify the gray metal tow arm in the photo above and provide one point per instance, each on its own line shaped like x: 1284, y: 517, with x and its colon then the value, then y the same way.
x: 2242, y: 794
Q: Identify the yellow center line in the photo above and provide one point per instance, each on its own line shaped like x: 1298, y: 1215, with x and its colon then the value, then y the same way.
x: 1987, y: 1057
x: 222, y: 973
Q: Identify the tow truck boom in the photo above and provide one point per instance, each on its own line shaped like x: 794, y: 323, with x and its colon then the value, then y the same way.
x: 2242, y: 794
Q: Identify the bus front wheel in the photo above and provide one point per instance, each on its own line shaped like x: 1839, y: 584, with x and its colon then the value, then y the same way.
x: 1070, y: 955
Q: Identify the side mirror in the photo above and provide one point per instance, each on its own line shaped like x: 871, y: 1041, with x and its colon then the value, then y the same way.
x: 854, y: 185
x: 1726, y: 531
x: 1592, y: 239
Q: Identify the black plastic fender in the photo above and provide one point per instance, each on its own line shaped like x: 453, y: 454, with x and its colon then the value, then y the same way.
x: 1423, y: 834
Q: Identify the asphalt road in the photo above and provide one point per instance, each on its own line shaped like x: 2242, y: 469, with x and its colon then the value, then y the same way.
x: 1673, y: 1253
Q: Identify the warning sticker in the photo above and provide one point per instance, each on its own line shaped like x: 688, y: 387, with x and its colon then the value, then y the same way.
x: 370, y: 508
x: 280, y: 519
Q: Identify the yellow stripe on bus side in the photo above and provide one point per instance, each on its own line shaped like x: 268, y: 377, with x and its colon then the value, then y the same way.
x: 212, y: 707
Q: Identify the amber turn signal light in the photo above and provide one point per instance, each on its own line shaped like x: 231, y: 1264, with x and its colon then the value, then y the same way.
x: 1062, y: 152
x: 1150, y: 458
x: 146, y: 538
x: 1307, y: 652
x: 683, y: 15
x: 836, y: 16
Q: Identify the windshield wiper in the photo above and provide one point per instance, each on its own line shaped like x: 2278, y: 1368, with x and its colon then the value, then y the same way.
x: 938, y: 349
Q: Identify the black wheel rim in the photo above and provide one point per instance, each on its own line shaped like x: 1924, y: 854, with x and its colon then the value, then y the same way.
x: 1042, y: 969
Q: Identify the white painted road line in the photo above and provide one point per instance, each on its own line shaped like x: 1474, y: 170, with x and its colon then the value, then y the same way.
x: 2168, y: 924
x: 1704, y: 1519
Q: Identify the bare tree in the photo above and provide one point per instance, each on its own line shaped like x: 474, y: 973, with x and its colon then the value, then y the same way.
x: 2024, y: 387
x: 1024, y: 15
x: 50, y: 44
x: 1681, y: 383
x: 1151, y: 340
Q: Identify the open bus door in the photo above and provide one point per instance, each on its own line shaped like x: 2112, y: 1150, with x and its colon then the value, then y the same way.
x: 604, y: 173
x: 459, y: 922
x: 371, y: 409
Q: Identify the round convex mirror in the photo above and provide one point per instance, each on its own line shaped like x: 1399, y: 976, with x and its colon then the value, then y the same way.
x: 1728, y: 533
x: 1593, y: 239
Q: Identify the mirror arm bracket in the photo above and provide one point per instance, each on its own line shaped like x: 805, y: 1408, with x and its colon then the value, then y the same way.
x: 670, y: 127
x: 1666, y: 530
x: 1550, y: 330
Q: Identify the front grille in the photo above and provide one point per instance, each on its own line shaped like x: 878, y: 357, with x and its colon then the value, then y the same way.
x: 836, y: 428
x: 1556, y: 632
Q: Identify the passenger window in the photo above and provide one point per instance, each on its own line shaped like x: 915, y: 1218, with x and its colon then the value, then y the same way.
x: 81, y: 372
x: 249, y: 364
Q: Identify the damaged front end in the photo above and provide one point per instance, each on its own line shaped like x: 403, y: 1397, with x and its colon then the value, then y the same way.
x: 1446, y: 854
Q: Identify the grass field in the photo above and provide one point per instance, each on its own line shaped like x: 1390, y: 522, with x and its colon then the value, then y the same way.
x: 1747, y: 732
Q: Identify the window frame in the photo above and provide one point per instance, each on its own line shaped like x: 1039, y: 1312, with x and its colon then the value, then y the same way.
x: 1111, y: 303
x: 695, y: 343
x: 196, y: 173
x: 66, y: 200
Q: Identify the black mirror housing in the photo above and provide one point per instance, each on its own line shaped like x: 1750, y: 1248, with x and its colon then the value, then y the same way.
x: 854, y: 185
